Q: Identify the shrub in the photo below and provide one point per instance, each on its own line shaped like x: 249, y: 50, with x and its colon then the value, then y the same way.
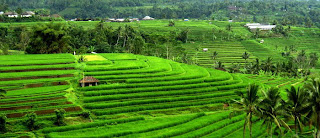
x: 3, y: 121
x: 82, y: 59
x: 86, y: 114
x: 31, y: 120
x: 60, y: 114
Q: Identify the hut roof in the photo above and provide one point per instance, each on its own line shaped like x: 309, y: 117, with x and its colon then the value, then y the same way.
x: 28, y: 13
x: 10, y: 13
x: 89, y: 79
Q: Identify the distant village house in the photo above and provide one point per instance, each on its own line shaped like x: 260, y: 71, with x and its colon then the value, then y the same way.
x: 148, y: 18
x: 11, y: 14
x: 262, y: 27
x: 1, y: 13
x: 27, y: 14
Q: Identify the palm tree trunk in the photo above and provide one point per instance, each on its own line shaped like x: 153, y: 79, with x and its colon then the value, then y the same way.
x: 244, y: 129
x: 250, y: 125
x: 295, y: 125
x: 244, y: 126
x: 271, y: 131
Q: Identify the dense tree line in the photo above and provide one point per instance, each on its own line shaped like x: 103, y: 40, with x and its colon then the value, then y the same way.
x: 292, y: 66
x: 266, y: 11
x: 67, y: 37
x: 282, y: 117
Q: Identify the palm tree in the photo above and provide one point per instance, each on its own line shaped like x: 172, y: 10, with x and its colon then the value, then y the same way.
x: 219, y: 65
x: 313, y: 59
x: 248, y: 103
x: 270, y: 109
x: 256, y: 66
x: 245, y: 56
x: 297, y: 106
x: 314, y: 90
x: 268, y: 66
x: 91, y: 49
x: 214, y: 55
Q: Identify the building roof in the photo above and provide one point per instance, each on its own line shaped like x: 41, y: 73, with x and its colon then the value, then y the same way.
x: 253, y: 26
x: 28, y: 13
x: 10, y: 13
x: 262, y: 27
x: 89, y: 79
x: 148, y: 18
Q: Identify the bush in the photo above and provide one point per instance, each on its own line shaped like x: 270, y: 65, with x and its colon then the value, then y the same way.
x: 82, y: 59
x: 86, y: 114
x: 31, y: 120
x: 171, y: 23
x: 60, y: 114
x: 3, y: 122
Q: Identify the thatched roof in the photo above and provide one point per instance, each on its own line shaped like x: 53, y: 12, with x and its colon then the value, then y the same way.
x: 89, y: 79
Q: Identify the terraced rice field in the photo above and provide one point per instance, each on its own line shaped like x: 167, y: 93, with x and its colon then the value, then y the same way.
x: 137, y: 96
x: 282, y: 83
x: 159, y: 96
x: 193, y: 125
x: 36, y: 83
x: 228, y: 53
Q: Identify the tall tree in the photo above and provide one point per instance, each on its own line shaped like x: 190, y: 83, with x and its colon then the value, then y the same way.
x: 270, y: 110
x: 268, y: 65
x: 248, y: 104
x: 313, y: 88
x: 245, y: 56
x: 49, y: 38
x: 297, y: 106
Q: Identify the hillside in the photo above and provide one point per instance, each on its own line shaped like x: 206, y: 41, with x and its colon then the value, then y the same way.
x: 163, y: 98
x: 170, y: 89
x: 297, y: 12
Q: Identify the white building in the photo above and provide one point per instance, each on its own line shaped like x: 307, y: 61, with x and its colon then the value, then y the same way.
x: 148, y: 18
x: 11, y: 14
x: 255, y: 26
x: 27, y: 14
x: 186, y: 20
x: 1, y: 12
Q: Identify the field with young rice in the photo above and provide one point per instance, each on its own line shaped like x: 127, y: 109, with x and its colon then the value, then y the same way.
x: 137, y: 96
x: 35, y: 83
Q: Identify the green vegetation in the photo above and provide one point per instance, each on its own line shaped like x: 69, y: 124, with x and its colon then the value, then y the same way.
x: 182, y: 79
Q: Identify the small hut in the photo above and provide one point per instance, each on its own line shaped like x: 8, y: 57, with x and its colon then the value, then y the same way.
x: 89, y: 81
x: 205, y: 49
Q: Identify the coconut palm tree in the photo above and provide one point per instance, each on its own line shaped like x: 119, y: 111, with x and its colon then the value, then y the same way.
x: 245, y: 56
x: 248, y: 104
x: 219, y: 65
x: 314, y: 90
x: 313, y: 59
x: 268, y: 65
x: 270, y: 110
x: 297, y: 106
x: 214, y: 55
x: 256, y: 66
